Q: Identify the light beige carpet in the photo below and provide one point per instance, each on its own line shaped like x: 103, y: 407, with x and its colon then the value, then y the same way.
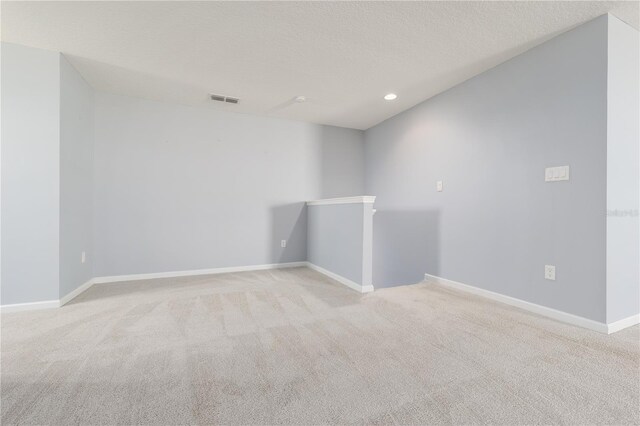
x: 291, y: 346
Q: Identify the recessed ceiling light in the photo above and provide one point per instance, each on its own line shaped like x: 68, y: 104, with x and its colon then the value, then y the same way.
x: 390, y: 96
x: 300, y: 99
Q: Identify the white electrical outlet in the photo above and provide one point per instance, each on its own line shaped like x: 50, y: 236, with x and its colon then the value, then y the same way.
x: 549, y: 272
x: 283, y: 243
x: 439, y: 186
x: 83, y: 257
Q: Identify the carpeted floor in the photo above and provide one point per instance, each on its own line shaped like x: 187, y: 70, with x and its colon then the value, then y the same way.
x: 291, y: 346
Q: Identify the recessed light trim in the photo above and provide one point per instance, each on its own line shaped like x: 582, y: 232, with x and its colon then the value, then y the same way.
x: 390, y: 96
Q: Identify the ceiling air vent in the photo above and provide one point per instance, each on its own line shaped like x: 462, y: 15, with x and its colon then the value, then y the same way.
x: 223, y: 98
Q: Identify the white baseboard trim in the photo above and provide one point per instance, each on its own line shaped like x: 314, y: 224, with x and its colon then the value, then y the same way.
x: 342, y: 280
x: 33, y: 306
x: 527, y: 306
x: 623, y: 323
x: 75, y: 293
x: 120, y: 278
x: 173, y: 274
x: 49, y: 303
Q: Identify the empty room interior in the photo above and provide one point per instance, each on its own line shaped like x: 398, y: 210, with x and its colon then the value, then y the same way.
x: 309, y: 213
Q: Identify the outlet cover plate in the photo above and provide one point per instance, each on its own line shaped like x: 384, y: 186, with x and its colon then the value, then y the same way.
x: 550, y: 272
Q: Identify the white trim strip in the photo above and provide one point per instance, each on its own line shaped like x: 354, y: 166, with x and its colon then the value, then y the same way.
x: 342, y: 280
x: 120, y: 278
x: 365, y: 199
x: 33, y: 306
x: 75, y: 293
x: 49, y: 303
x: 527, y: 306
x: 623, y: 323
x: 137, y: 277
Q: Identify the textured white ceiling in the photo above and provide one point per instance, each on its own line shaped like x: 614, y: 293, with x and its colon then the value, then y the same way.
x: 343, y: 56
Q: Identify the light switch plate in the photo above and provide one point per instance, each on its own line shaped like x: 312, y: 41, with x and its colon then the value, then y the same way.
x: 554, y: 174
x: 439, y: 186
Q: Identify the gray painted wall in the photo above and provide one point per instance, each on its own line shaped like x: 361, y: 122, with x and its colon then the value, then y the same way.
x: 342, y: 159
x: 76, y: 178
x: 497, y: 223
x: 623, y: 175
x: 339, y: 240
x: 182, y: 188
x: 30, y: 174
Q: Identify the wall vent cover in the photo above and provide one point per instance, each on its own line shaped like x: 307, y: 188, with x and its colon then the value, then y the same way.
x: 224, y: 98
